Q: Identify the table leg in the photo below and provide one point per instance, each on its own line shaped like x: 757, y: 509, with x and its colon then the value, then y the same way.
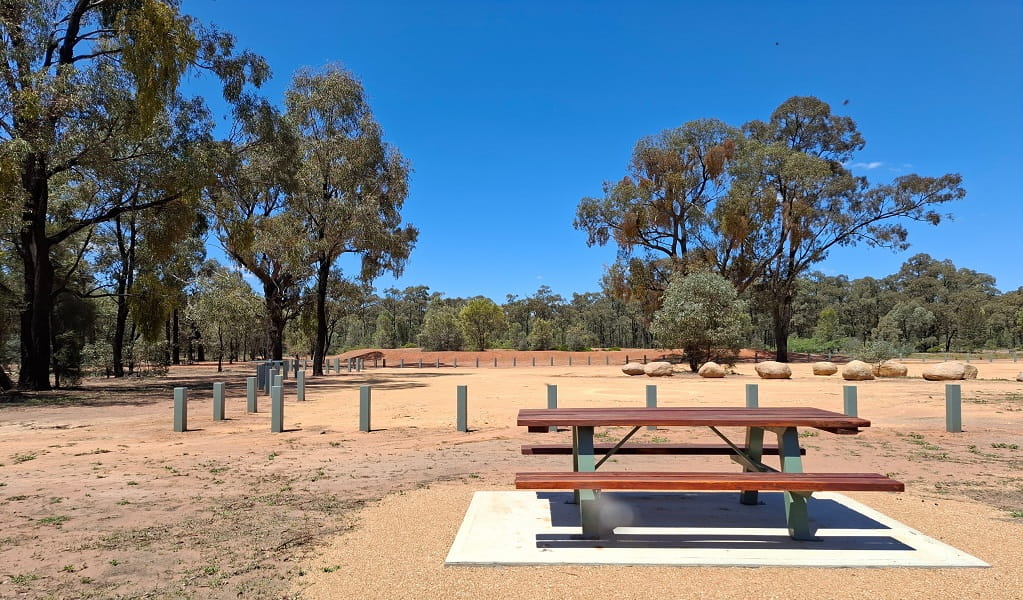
x: 583, y: 461
x: 795, y: 503
x: 755, y: 451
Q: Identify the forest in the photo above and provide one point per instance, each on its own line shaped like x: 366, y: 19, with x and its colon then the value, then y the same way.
x: 115, y: 184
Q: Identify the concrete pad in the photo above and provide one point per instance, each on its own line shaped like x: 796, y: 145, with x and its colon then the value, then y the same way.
x: 689, y: 529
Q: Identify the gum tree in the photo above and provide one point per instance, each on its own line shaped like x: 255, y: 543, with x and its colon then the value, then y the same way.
x: 80, y: 78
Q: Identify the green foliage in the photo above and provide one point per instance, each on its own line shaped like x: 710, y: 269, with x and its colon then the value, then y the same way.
x: 385, y: 331
x: 542, y: 335
x: 702, y: 314
x: 441, y: 330
x: 481, y: 320
x: 876, y: 351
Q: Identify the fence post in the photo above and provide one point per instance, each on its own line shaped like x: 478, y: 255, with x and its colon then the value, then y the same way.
x: 364, y: 408
x: 250, y: 394
x: 534, y: 361
x: 277, y: 409
x: 552, y: 402
x: 953, y: 408
x: 477, y: 362
x: 495, y: 362
x: 752, y: 395
x: 300, y: 386
x: 651, y: 401
x: 514, y: 361
x: 570, y: 360
x: 337, y: 365
x: 552, y: 361
x: 218, y: 401
x: 849, y: 400
x: 180, y: 409
x: 462, y: 420
x: 588, y: 360
x: 401, y: 364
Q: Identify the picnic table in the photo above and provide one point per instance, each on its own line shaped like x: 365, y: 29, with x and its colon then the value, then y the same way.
x: 784, y: 422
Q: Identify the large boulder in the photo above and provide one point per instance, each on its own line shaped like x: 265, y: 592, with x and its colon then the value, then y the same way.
x: 969, y: 372
x: 711, y: 369
x: 825, y: 368
x: 633, y: 368
x: 945, y: 371
x: 1019, y: 376
x: 658, y: 369
x: 772, y: 369
x: 857, y: 370
x: 891, y: 368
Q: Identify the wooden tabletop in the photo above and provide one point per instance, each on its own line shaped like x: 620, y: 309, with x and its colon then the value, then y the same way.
x: 703, y: 416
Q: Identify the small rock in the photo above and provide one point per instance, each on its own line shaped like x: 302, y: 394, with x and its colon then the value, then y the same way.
x: 658, y: 369
x: 891, y: 368
x: 633, y: 369
x: 1019, y: 376
x: 825, y: 368
x: 945, y: 371
x: 857, y: 370
x: 711, y: 369
x: 772, y: 369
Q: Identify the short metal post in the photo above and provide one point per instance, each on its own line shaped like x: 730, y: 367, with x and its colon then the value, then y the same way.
x: 364, y: 408
x: 552, y: 402
x: 438, y: 362
x: 278, y: 380
x: 495, y: 362
x: 644, y: 359
x: 455, y: 364
x: 401, y: 364
x: 570, y: 360
x: 514, y: 361
x: 552, y: 361
x: 180, y: 409
x: 420, y: 363
x: 752, y: 395
x: 534, y: 361
x: 337, y: 365
x: 651, y: 401
x: 250, y: 394
x: 276, y: 409
x: 849, y: 400
x: 218, y: 401
x: 300, y: 386
x: 285, y: 367
x: 953, y: 408
x: 607, y: 359
x: 588, y: 363
x: 462, y: 417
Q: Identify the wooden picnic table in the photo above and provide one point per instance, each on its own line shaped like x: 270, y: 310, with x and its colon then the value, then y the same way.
x: 784, y: 422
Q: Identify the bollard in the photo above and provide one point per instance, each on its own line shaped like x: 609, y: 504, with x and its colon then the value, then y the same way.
x: 462, y: 417
x: 1013, y: 356
x: 455, y: 365
x: 285, y: 367
x: 276, y: 409
x: 401, y: 364
x: 438, y: 363
x: 651, y: 401
x: 588, y: 361
x: 250, y: 394
x: 849, y: 400
x: 514, y: 361
x: 420, y: 363
x: 570, y: 360
x: 218, y: 401
x: 552, y: 402
x: 607, y: 359
x: 180, y: 409
x: 300, y: 386
x: 552, y: 361
x: 337, y: 365
x: 374, y: 363
x: 953, y: 408
x: 752, y: 395
x: 534, y: 361
x: 644, y: 359
x: 477, y: 362
x: 495, y: 362
x: 364, y: 408
x: 278, y: 381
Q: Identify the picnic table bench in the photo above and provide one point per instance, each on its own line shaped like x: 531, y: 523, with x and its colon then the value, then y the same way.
x: 756, y: 476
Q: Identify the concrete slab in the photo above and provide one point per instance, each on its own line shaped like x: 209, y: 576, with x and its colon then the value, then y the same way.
x: 689, y: 529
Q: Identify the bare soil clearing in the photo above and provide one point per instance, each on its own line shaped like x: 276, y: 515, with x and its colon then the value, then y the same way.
x: 99, y: 498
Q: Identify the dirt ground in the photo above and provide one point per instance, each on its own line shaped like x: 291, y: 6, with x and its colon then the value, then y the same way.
x: 100, y: 498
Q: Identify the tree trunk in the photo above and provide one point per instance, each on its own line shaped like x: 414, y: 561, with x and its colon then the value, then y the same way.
x: 781, y: 315
x: 275, y: 318
x: 121, y: 320
x: 175, y: 336
x: 320, y: 344
x: 38, y: 280
x: 5, y: 380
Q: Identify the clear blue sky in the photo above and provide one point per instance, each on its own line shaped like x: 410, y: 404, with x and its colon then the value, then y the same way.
x: 512, y: 111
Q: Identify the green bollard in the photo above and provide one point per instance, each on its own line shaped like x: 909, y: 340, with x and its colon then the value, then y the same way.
x: 462, y: 420
x: 250, y: 394
x: 552, y: 402
x: 534, y: 361
x: 953, y: 408
x: 364, y: 408
x: 651, y: 402
x: 300, y: 386
x: 218, y: 401
x: 401, y: 364
x: 570, y: 360
x: 552, y: 361
x: 277, y: 409
x: 849, y: 400
x: 495, y: 362
x: 477, y: 362
x: 337, y: 365
x: 180, y: 409
x: 752, y: 395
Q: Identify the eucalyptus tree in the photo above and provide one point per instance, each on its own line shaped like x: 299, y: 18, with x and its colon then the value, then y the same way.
x: 441, y: 329
x: 481, y: 320
x: 223, y: 307
x: 351, y: 185
x: 793, y: 200
x: 657, y: 213
x: 80, y: 78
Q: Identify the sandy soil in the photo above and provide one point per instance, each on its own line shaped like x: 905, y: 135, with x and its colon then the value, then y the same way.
x: 99, y: 498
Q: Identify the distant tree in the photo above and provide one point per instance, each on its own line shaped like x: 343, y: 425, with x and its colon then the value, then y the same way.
x: 542, y: 335
x: 441, y: 329
x: 481, y: 320
x: 223, y: 307
x: 703, y: 315
x: 827, y: 332
x: 385, y: 331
